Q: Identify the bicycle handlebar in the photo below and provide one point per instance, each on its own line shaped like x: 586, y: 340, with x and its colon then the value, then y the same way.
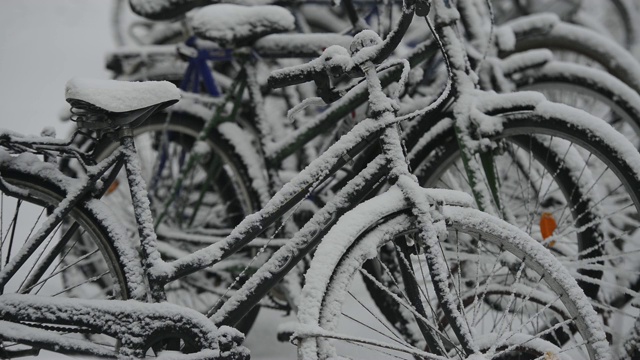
x: 317, y: 69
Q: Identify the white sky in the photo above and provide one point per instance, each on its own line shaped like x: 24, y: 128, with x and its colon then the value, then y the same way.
x: 42, y: 45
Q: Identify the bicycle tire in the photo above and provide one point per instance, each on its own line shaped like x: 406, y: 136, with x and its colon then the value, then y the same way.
x: 578, y: 44
x: 95, y: 262
x: 340, y: 257
x: 615, y: 16
x: 591, y: 90
x: 184, y: 128
x: 618, y: 17
x: 604, y: 283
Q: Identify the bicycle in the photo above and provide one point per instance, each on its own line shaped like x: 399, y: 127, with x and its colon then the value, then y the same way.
x: 158, y: 272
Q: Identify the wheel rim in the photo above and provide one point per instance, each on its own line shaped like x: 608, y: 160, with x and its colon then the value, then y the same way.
x: 605, y: 280
x: 371, y: 323
x: 85, y: 267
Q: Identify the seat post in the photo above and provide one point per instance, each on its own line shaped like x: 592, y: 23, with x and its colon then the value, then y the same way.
x: 142, y: 211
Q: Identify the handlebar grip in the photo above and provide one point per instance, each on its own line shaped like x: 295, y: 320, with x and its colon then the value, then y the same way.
x: 304, y: 73
x: 295, y: 74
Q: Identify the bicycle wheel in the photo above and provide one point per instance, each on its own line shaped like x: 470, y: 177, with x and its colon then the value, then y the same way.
x: 215, y: 195
x: 576, y: 44
x: 164, y: 143
x: 617, y: 17
x: 569, y: 189
x: 78, y: 259
x: 612, y: 18
x: 521, y: 299
x: 591, y: 90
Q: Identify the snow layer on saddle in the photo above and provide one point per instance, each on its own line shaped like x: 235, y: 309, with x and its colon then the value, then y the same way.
x: 121, y: 96
x: 229, y: 23
x: 161, y: 9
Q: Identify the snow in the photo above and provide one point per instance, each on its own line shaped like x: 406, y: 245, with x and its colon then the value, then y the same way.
x: 30, y: 163
x: 162, y: 9
x: 621, y: 146
x: 229, y: 24
x: 338, y: 240
x: 121, y: 96
x: 521, y: 61
x: 242, y: 142
x: 505, y: 38
x: 131, y: 321
x: 611, y: 55
x: 539, y: 22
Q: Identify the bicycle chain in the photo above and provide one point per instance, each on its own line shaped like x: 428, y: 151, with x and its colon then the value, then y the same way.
x: 65, y: 329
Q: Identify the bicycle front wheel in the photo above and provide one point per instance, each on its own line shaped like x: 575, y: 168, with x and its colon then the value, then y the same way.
x: 569, y: 189
x: 513, y: 299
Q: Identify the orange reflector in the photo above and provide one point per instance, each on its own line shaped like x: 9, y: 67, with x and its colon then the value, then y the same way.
x: 113, y: 187
x: 548, y: 226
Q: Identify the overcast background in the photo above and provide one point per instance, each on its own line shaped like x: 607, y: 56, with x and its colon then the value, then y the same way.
x: 42, y: 45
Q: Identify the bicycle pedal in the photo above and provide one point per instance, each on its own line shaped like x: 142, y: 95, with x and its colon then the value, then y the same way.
x: 284, y: 335
x: 286, y: 331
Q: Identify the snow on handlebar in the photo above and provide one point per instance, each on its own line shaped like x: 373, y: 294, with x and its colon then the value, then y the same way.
x: 336, y: 61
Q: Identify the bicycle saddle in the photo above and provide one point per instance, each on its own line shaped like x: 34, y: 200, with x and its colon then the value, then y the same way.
x: 236, y: 25
x: 99, y: 104
x: 164, y: 9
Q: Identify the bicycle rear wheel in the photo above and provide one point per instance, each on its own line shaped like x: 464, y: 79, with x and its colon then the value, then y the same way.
x: 511, y: 304
x: 214, y: 196
x: 81, y: 258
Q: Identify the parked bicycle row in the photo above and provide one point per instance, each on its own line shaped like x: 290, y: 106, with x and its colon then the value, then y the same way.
x: 479, y: 182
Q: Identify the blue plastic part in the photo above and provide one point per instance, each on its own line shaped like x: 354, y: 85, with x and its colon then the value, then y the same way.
x: 198, y: 70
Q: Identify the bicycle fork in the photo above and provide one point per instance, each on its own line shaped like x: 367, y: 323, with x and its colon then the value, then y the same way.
x: 431, y: 231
